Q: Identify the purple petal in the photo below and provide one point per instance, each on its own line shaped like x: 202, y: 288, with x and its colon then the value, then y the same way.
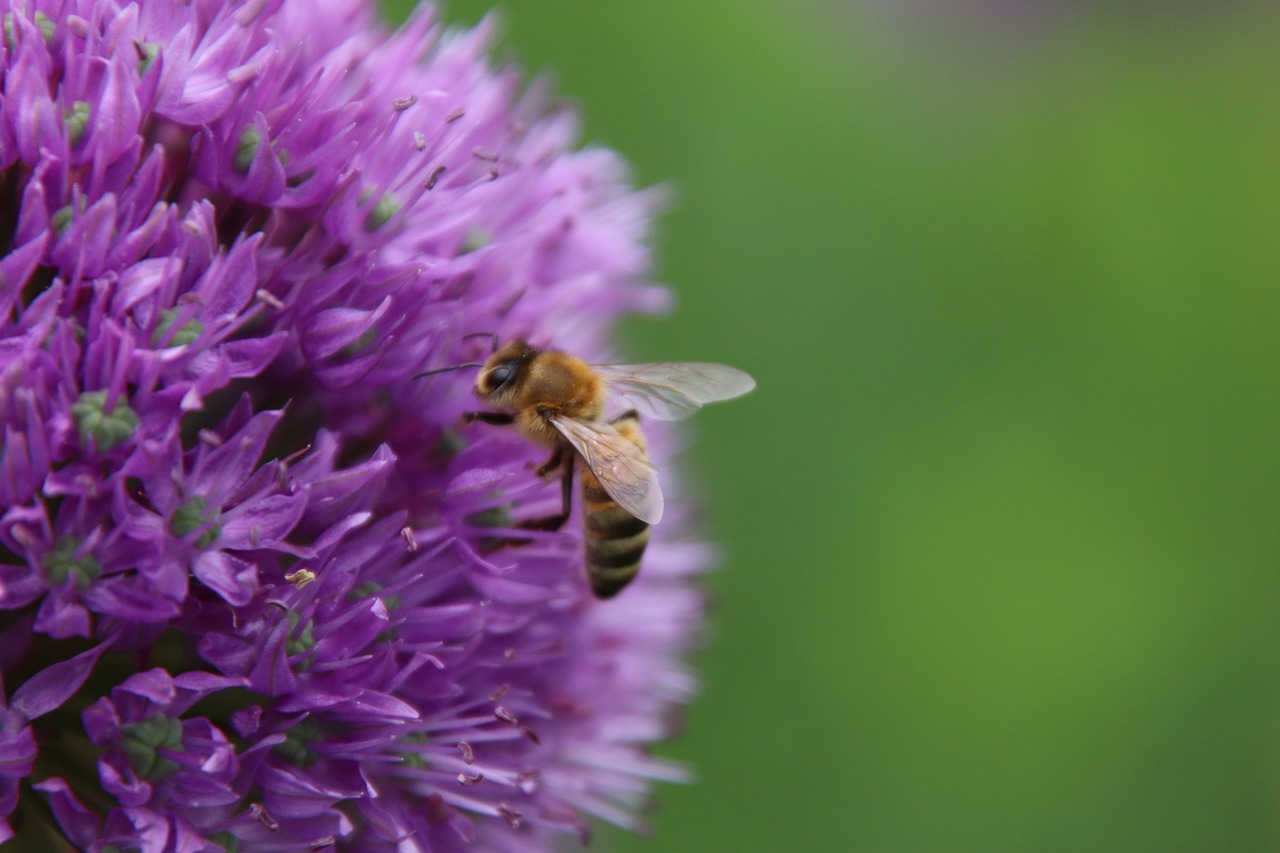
x: 118, y: 113
x: 123, y: 785
x: 16, y: 268
x: 270, y: 672
x: 290, y: 794
x: 154, y: 685
x: 17, y: 747
x: 81, y: 826
x: 476, y: 480
x: 230, y: 577
x: 61, y: 618
x: 53, y: 685
x: 334, y: 328
x: 263, y: 523
x: 141, y: 600
x: 228, y: 465
x: 509, y: 591
x: 337, y: 495
x: 204, y: 683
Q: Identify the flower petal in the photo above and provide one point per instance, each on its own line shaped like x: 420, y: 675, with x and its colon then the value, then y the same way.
x: 52, y: 686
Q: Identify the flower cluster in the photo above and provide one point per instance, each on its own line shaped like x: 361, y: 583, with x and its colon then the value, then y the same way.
x: 255, y: 592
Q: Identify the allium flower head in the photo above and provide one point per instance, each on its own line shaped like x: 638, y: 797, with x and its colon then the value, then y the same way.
x: 255, y: 592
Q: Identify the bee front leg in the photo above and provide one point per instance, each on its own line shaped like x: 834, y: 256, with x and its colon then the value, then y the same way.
x: 494, y: 418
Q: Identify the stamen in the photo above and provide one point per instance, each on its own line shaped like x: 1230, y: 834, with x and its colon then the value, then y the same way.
x: 300, y: 578
x: 512, y: 816
x: 263, y: 816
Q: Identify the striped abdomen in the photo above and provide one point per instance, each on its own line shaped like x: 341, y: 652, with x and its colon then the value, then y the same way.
x: 615, y: 538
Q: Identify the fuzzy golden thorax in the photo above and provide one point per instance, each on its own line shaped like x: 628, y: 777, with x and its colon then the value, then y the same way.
x: 532, y: 384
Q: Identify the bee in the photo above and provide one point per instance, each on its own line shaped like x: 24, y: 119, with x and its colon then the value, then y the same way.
x: 557, y: 400
x: 615, y: 539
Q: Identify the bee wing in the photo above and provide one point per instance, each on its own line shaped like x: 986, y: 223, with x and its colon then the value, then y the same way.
x: 622, y: 467
x: 671, y: 390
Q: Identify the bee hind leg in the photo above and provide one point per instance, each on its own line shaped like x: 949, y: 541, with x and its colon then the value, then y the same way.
x: 546, y: 523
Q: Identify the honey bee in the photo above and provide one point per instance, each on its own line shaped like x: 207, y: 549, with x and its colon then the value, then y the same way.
x: 615, y: 539
x: 558, y: 401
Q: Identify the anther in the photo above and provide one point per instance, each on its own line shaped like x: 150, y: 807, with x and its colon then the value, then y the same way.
x: 512, y: 816
x: 300, y: 578
x: 263, y: 816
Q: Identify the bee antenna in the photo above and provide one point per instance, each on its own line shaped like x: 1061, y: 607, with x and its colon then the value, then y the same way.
x: 493, y: 347
x: 492, y: 336
x: 447, y: 369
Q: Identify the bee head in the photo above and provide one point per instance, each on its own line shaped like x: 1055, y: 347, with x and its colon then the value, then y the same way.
x: 498, y: 378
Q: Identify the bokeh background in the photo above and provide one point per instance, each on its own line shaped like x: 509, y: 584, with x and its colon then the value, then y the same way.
x: 1001, y: 522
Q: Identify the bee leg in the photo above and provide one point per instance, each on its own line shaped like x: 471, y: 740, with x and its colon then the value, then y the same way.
x: 555, y: 522
x: 628, y: 415
x: 495, y: 418
x: 556, y: 460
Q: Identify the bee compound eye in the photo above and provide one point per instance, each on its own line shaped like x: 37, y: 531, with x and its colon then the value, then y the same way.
x: 499, y: 376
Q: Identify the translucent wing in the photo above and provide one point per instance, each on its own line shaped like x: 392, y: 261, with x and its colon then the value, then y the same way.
x: 623, y: 468
x: 670, y: 390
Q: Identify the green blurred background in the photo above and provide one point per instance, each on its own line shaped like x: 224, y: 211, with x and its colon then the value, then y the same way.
x: 1001, y: 520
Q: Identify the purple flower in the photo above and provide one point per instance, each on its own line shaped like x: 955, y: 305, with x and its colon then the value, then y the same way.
x: 257, y: 590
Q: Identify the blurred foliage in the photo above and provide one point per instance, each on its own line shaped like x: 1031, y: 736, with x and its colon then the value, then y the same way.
x: 1000, y: 521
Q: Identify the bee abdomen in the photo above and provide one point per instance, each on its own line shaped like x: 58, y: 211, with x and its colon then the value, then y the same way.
x: 613, y: 561
x: 612, y: 522
x: 615, y: 542
x: 615, y: 539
